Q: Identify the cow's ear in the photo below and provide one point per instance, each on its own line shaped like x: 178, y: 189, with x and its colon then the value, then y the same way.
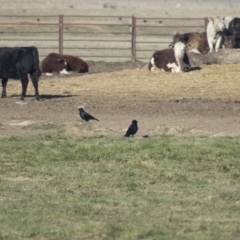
x: 171, y: 45
x: 210, y: 19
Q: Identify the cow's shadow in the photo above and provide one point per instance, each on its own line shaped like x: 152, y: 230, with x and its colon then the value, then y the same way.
x: 195, y: 69
x: 52, y: 96
x: 48, y: 96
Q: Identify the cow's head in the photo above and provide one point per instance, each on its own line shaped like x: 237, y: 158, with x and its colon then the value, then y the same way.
x: 63, y: 62
x: 226, y: 20
x: 176, y: 38
x: 218, y: 24
x: 179, y: 49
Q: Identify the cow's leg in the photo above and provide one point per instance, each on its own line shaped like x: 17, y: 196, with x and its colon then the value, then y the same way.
x: 24, y: 80
x: 4, y: 86
x: 218, y: 43
x: 195, y: 50
x: 34, y: 79
x: 64, y: 71
x: 174, y: 67
x: 210, y: 44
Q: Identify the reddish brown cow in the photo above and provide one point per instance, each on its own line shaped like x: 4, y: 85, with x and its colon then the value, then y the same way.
x: 174, y: 59
x: 197, y: 42
x: 54, y: 64
x: 61, y: 63
x: 75, y: 64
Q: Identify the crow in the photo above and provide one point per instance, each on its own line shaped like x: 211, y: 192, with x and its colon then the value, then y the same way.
x: 85, y: 116
x: 133, y: 128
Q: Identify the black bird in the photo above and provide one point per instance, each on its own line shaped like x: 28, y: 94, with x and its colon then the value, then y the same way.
x: 133, y: 128
x: 85, y: 116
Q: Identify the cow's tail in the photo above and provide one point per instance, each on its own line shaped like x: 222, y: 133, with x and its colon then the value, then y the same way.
x: 36, y: 64
x: 151, y: 65
x: 36, y: 72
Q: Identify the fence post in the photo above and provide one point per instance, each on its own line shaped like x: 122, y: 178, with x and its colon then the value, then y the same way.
x: 133, y: 42
x: 60, y: 38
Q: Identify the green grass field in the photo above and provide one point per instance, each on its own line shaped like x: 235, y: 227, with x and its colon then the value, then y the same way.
x: 55, y: 186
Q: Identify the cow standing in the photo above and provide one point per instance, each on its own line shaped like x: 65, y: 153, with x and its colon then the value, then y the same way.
x: 232, y: 40
x: 174, y: 59
x: 17, y: 63
x: 216, y: 31
x: 234, y: 27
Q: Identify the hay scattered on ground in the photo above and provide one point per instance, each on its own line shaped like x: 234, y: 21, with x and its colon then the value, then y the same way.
x: 210, y: 82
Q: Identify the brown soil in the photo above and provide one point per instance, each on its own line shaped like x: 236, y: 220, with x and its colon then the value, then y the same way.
x: 205, y: 101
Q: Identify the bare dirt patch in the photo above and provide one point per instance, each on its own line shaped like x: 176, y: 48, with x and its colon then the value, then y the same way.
x: 201, y: 102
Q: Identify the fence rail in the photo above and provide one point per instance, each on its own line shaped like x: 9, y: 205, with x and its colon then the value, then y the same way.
x: 91, y: 37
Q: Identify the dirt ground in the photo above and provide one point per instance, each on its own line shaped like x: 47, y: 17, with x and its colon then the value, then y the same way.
x: 205, y: 101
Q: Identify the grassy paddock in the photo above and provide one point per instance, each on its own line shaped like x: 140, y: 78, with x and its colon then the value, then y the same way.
x: 55, y: 186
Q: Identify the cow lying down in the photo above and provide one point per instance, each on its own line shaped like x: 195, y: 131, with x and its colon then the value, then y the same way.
x: 174, y: 59
x: 63, y: 64
x: 197, y: 42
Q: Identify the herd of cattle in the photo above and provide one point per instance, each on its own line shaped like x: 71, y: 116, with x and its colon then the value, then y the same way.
x: 19, y: 62
x: 220, y: 33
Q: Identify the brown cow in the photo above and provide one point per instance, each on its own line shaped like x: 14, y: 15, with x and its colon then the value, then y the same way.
x: 61, y: 63
x: 174, y: 59
x: 53, y: 64
x: 197, y: 42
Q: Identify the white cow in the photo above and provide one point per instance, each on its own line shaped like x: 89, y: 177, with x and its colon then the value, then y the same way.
x: 215, y: 34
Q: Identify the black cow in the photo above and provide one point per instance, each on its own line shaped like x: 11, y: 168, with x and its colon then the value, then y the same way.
x: 234, y: 27
x: 17, y: 63
x: 232, y: 41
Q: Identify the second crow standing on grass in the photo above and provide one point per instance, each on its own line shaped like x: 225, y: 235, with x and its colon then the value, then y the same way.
x: 85, y: 116
x: 133, y: 128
